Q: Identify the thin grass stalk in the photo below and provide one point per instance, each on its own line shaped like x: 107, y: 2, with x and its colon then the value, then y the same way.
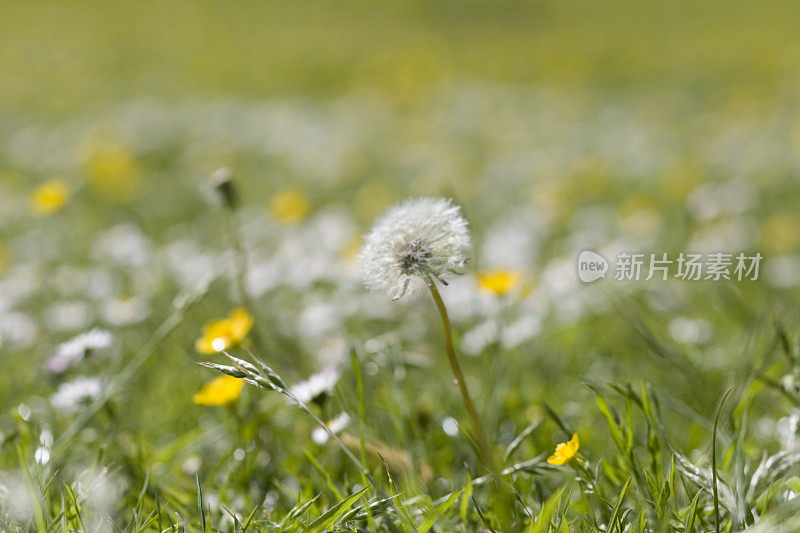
x: 180, y: 306
x: 240, y: 261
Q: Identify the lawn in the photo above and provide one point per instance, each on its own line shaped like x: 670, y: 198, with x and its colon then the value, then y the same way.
x: 183, y: 180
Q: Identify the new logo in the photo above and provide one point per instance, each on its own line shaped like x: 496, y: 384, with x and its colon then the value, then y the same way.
x: 591, y: 266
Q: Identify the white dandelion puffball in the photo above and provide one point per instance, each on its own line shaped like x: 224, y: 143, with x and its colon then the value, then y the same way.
x: 413, y: 241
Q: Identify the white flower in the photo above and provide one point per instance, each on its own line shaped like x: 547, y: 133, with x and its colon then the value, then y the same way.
x: 415, y: 240
x: 42, y: 455
x: 124, y: 244
x: 316, y: 385
x: 73, y: 351
x: 335, y: 426
x: 72, y: 394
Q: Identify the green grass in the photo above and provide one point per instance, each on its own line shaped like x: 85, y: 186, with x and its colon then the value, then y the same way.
x: 574, y: 125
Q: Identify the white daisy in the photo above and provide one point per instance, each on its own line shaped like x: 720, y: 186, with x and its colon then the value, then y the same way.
x: 73, y: 394
x: 73, y: 351
x: 415, y: 240
x: 315, y: 386
x: 335, y: 426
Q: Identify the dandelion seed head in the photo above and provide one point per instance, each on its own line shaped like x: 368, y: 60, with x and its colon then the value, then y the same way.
x: 414, y: 240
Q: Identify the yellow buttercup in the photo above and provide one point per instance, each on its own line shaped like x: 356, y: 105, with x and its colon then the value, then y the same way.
x: 223, y: 390
x: 49, y: 197
x: 565, y: 451
x: 498, y: 281
x: 290, y: 206
x: 222, y: 334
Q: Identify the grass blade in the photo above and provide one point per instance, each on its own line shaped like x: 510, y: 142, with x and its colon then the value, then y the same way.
x: 615, y: 513
x: 714, y: 460
x: 542, y: 522
x: 438, y: 511
x: 331, y: 515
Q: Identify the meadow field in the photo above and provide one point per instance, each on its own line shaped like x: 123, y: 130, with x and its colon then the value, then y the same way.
x: 193, y: 201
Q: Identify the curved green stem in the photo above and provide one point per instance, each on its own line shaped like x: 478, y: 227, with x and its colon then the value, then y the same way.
x: 483, y: 440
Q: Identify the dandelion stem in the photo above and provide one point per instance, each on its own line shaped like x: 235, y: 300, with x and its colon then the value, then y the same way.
x: 483, y: 440
x: 504, y: 494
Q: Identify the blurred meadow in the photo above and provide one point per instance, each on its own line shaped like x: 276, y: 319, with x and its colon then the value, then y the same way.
x: 558, y: 127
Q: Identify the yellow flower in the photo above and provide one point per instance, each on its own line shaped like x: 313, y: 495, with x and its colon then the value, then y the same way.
x: 49, y: 197
x: 565, y: 451
x: 223, y: 390
x: 498, y: 281
x: 290, y: 206
x: 113, y: 172
x: 222, y: 334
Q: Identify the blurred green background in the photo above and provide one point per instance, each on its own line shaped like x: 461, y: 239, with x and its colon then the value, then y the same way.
x: 557, y: 125
x: 57, y: 57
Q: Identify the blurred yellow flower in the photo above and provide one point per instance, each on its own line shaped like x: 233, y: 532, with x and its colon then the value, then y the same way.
x: 113, y: 172
x: 289, y: 206
x: 565, y: 451
x: 780, y: 233
x: 223, y: 390
x: 49, y: 197
x: 222, y: 334
x: 498, y: 281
